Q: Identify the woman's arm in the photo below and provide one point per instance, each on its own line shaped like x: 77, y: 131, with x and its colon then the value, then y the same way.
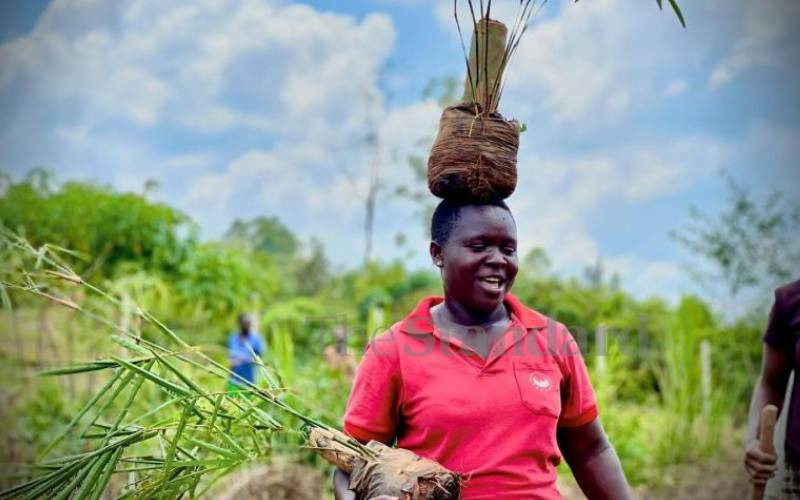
x: 770, y: 389
x: 593, y: 461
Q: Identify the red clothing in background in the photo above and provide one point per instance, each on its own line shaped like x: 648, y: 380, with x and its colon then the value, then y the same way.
x: 493, y: 420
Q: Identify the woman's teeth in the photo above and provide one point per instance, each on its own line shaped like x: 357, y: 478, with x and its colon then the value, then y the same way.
x: 495, y: 283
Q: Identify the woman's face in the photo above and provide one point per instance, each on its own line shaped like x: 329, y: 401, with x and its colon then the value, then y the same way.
x: 479, y: 260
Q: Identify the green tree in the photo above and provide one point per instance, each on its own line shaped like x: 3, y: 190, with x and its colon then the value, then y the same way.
x: 313, y: 272
x: 265, y: 234
x: 749, y: 244
x: 96, y: 221
x: 220, y: 280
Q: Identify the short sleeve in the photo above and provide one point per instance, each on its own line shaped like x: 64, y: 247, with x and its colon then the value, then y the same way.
x: 777, y: 334
x: 373, y: 408
x: 259, y: 347
x: 579, y: 402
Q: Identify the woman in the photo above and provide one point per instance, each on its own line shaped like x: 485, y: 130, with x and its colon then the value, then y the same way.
x: 781, y: 355
x: 480, y: 383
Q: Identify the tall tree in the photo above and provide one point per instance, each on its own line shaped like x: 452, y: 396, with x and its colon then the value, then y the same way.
x: 96, y: 221
x: 749, y: 244
x: 265, y: 234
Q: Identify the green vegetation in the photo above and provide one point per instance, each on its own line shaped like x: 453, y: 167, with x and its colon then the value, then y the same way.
x: 660, y: 402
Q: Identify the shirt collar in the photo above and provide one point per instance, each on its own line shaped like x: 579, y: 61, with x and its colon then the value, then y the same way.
x: 420, y: 321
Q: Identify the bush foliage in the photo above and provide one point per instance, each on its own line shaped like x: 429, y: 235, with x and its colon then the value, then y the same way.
x: 648, y: 372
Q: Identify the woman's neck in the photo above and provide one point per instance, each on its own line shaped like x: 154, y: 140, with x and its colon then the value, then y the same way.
x: 454, y: 312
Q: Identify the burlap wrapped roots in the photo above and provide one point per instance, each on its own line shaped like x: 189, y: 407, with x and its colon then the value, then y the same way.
x: 392, y: 474
x: 474, y: 156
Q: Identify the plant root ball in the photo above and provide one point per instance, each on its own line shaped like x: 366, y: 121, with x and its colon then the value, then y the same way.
x: 386, y: 473
x: 474, y: 156
x: 399, y: 474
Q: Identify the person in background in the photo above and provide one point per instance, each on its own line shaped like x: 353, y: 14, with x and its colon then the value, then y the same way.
x: 781, y: 355
x: 241, y: 346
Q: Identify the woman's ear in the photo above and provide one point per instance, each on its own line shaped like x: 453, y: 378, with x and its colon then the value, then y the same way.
x: 436, y: 254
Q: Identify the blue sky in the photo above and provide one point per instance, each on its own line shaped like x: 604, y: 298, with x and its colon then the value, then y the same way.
x: 246, y: 108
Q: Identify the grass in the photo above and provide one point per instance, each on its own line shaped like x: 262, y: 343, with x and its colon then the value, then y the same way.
x: 149, y: 416
x: 155, y: 417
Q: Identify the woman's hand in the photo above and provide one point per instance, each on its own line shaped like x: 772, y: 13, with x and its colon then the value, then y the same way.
x: 760, y: 465
x: 341, y: 486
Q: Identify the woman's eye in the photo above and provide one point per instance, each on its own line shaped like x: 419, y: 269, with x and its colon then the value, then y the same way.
x: 509, y: 250
x: 478, y: 247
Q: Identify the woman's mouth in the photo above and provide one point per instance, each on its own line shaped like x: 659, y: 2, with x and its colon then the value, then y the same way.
x: 492, y: 283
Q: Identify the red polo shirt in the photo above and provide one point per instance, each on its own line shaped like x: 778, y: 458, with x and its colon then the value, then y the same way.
x: 493, y: 420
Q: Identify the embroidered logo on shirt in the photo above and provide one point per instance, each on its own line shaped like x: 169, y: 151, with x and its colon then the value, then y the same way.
x: 539, y: 381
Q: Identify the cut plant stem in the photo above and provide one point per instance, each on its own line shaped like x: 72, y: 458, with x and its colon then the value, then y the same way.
x: 486, y: 64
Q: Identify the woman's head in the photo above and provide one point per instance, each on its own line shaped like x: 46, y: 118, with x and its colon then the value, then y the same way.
x: 475, y: 245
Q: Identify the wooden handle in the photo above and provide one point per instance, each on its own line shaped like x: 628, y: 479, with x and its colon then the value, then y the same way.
x: 767, y: 427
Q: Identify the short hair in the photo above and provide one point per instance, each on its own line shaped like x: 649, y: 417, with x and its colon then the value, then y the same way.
x: 448, y: 212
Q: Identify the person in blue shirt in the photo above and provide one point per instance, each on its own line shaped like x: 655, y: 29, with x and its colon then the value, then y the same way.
x: 240, y: 355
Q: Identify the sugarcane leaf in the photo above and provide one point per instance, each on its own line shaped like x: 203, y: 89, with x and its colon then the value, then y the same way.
x: 677, y: 10
x: 233, y: 444
x: 67, y: 491
x: 81, y: 368
x: 129, y: 402
x: 174, y: 445
x: 166, y: 384
x: 88, y: 406
x: 186, y: 380
x: 34, y: 484
x: 130, y: 345
x: 213, y: 448
x: 217, y: 403
x: 89, y: 483
x: 106, y: 475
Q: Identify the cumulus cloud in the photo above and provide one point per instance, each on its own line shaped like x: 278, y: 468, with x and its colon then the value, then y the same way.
x: 209, y: 66
x: 568, y: 192
x: 279, y: 91
x: 767, y: 26
x: 587, y: 61
x: 243, y: 108
x: 650, y: 278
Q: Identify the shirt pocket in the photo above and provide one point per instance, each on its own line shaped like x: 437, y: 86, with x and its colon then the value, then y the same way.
x: 539, y: 388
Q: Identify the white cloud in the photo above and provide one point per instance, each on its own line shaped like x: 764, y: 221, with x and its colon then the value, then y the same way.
x: 305, y: 177
x: 675, y: 87
x: 302, y: 83
x: 650, y: 278
x: 560, y: 196
x: 190, y: 161
x: 586, y: 63
x: 207, y: 66
x: 209, y: 191
x: 242, y: 108
x: 765, y: 26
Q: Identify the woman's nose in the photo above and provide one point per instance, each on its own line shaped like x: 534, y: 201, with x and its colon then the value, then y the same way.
x: 495, y: 257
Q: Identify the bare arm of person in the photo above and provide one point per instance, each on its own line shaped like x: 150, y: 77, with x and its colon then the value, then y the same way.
x: 593, y: 461
x: 770, y: 389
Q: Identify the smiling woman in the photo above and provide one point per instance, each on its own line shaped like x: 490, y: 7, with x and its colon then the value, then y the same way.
x: 478, y: 382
